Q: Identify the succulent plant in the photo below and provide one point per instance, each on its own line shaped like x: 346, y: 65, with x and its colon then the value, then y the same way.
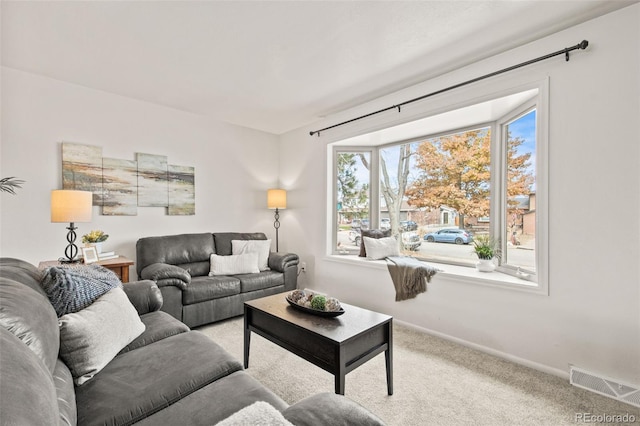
x: 95, y: 236
x: 486, y: 247
x: 318, y: 302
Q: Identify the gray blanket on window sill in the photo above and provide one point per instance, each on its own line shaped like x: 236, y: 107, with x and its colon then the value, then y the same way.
x: 409, y: 275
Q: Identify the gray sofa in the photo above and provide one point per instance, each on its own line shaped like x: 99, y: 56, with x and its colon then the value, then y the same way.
x: 180, y: 266
x: 169, y: 375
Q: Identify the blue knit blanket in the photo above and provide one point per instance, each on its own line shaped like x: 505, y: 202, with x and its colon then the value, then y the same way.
x: 73, y: 288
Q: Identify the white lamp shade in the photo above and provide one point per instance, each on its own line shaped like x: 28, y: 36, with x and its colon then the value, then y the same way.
x: 71, y: 206
x: 276, y: 199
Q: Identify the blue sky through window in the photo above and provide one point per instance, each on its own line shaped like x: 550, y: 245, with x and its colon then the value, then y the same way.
x: 525, y: 128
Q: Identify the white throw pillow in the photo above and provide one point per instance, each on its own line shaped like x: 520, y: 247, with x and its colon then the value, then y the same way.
x: 93, y: 336
x: 258, y: 413
x: 262, y: 247
x: 234, y: 264
x: 379, y: 248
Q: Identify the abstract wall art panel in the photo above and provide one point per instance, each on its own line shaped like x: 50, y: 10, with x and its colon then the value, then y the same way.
x: 153, y: 184
x: 182, y: 199
x: 82, y: 169
x: 120, y: 187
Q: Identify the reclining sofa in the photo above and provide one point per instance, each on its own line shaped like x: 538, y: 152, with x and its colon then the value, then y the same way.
x: 180, y: 266
x: 168, y: 375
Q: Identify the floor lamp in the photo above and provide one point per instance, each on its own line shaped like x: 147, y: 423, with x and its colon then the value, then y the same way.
x: 71, y: 206
x: 277, y: 199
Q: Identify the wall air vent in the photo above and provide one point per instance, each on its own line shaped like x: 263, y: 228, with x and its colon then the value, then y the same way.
x: 604, y: 386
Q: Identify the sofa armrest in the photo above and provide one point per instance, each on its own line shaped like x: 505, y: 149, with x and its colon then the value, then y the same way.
x: 281, y: 261
x: 144, y: 295
x: 330, y: 409
x: 164, y: 274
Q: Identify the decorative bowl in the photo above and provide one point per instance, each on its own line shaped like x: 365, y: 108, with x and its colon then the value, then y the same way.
x: 315, y: 311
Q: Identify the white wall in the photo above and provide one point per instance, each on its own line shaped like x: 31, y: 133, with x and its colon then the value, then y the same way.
x: 591, y: 317
x: 234, y: 166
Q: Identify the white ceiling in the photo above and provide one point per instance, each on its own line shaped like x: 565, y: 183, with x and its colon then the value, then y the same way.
x: 270, y: 65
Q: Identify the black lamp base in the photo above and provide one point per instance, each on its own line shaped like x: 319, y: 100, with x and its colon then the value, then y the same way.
x: 71, y: 252
x: 276, y: 224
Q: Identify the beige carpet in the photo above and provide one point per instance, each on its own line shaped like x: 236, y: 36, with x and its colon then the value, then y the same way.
x: 436, y: 382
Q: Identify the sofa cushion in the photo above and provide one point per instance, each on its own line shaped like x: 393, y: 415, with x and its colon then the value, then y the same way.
x: 223, y: 240
x: 330, y: 408
x: 157, y: 326
x: 230, y: 393
x: 207, y: 288
x: 262, y: 247
x: 26, y: 383
x: 90, y: 338
x: 65, y: 394
x: 196, y: 269
x: 142, y: 382
x: 22, y: 272
x: 186, y: 250
x: 72, y: 288
x: 29, y: 315
x: 253, y: 282
x: 234, y: 264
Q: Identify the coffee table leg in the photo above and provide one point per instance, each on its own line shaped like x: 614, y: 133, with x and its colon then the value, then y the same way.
x: 247, y: 337
x: 341, y: 373
x: 340, y: 384
x: 388, y: 357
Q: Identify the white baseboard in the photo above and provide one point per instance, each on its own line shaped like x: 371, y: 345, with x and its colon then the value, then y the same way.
x: 525, y: 362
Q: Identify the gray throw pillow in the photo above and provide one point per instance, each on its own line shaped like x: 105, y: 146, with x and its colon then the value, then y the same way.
x: 92, y: 337
x: 72, y: 288
x: 372, y: 233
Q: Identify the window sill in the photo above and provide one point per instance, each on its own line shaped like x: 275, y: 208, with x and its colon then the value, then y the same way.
x: 452, y: 273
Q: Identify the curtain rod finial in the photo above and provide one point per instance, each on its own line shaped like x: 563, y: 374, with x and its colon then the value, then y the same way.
x: 583, y: 44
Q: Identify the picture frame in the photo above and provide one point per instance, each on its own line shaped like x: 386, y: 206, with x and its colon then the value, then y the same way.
x: 90, y: 254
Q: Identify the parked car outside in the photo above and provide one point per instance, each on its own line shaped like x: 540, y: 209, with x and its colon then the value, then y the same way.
x: 458, y: 236
x: 360, y: 224
x: 411, y: 240
x: 385, y: 223
x: 408, y: 225
x: 355, y: 236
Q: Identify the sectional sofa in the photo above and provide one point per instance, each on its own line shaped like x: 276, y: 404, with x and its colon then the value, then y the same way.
x: 167, y: 375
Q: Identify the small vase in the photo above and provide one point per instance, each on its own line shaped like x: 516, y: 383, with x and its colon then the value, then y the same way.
x: 98, y: 246
x: 485, y: 265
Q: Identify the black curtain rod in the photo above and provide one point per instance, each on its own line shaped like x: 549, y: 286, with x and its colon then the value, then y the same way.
x: 582, y: 45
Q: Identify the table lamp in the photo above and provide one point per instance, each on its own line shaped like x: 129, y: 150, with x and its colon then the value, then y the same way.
x: 71, y: 206
x: 277, y: 199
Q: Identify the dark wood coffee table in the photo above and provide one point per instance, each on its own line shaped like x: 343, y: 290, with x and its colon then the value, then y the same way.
x: 337, y: 345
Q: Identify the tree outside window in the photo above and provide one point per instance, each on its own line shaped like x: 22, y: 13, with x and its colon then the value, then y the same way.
x: 449, y: 182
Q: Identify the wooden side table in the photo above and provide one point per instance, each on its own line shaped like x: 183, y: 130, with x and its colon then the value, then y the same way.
x: 120, y: 266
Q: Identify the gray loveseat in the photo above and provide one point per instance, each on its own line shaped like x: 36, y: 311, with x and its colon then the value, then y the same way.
x: 180, y: 266
x: 169, y: 375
